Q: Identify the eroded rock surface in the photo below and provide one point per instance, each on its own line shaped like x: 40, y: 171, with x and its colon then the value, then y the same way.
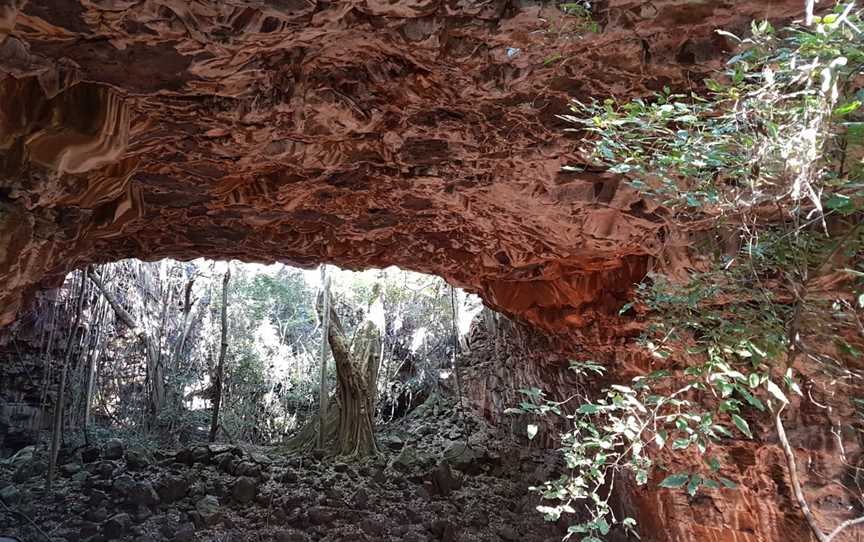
x: 361, y: 132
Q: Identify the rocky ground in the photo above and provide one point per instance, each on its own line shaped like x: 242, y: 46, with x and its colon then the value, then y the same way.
x: 426, y: 485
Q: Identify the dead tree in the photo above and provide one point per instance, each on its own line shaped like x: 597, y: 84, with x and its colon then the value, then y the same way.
x: 223, y: 346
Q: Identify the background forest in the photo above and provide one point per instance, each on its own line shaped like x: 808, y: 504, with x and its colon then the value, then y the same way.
x: 150, y: 372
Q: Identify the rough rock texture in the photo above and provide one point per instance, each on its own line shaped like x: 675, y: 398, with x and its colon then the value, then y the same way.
x: 824, y: 431
x: 483, y: 497
x: 364, y: 133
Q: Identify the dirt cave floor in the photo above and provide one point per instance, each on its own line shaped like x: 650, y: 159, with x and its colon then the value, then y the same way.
x: 426, y: 485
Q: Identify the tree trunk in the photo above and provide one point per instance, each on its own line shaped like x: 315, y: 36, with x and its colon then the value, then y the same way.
x: 325, y: 326
x: 348, y: 426
x: 356, y: 394
x: 217, y: 385
x: 92, y: 362
x: 61, y: 392
x: 188, y: 304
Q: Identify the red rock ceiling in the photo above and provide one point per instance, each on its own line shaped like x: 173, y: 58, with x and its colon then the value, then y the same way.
x: 419, y: 133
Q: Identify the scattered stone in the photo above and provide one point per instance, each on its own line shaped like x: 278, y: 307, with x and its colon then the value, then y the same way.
x: 216, y: 449
x: 142, y: 494
x: 96, y: 515
x: 290, y: 535
x: 208, y: 509
x: 96, y: 497
x: 201, y: 454
x: 70, y: 469
x: 508, y: 534
x: 185, y: 533
x: 318, y: 516
x: 392, y: 442
x: 244, y: 489
x: 104, y: 469
x: 406, y: 460
x: 142, y: 513
x: 288, y: 477
x: 379, y: 477
x: 360, y: 499
x: 87, y: 528
x: 340, y: 467
x: 443, y: 530
x: 136, y: 459
x: 172, y: 488
x: 27, y: 470
x: 113, y: 449
x: 443, y: 481
x: 373, y: 528
x: 261, y: 459
x: 247, y: 468
x: 184, y: 457
x: 464, y: 458
x: 116, y: 526
x: 90, y: 454
x: 11, y: 495
x: 122, y: 486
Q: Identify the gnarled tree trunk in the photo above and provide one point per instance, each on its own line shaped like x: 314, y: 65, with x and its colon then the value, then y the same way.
x: 355, y: 395
x: 348, y: 427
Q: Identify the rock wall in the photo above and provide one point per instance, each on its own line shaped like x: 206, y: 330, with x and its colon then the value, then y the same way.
x: 824, y: 430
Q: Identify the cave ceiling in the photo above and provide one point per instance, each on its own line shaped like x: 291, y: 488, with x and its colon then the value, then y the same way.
x: 362, y: 133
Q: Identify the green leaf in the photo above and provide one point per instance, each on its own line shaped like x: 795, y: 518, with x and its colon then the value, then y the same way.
x: 713, y: 463
x: 623, y: 389
x: 675, y: 481
x: 728, y: 35
x: 723, y: 431
x: 588, y: 408
x: 741, y: 424
x: 750, y: 398
x: 710, y: 484
x: 602, y: 526
x: 625, y: 308
x: 845, y: 109
x: 728, y: 483
x: 514, y: 411
x: 791, y: 384
x: 695, y: 480
x: 531, y: 430
x: 533, y: 393
x: 753, y: 380
x: 775, y: 390
x: 680, y: 443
